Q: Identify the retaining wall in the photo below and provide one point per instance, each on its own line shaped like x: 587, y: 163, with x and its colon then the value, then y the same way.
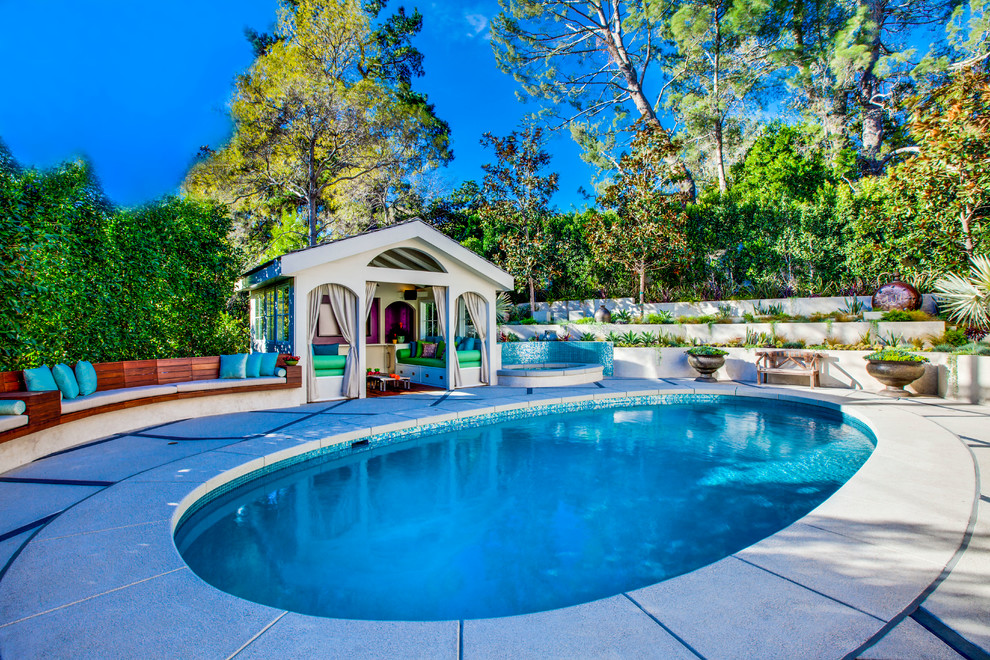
x: 810, y: 333
x: 571, y: 310
x: 959, y: 377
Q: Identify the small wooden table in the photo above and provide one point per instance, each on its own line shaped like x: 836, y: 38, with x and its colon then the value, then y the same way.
x: 788, y: 362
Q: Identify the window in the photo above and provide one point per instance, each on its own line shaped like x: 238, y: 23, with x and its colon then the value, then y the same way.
x: 465, y: 328
x: 271, y: 325
x: 430, y: 322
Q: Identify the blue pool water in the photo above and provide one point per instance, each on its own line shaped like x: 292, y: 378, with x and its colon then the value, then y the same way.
x: 522, y: 516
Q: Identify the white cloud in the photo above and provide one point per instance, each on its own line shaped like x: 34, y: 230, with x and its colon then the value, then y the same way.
x: 478, y: 23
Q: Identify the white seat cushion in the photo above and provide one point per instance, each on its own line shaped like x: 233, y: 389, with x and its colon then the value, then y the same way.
x: 8, y: 422
x: 220, y: 383
x: 115, y: 396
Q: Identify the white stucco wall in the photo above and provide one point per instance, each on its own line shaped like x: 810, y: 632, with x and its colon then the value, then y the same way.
x: 960, y: 377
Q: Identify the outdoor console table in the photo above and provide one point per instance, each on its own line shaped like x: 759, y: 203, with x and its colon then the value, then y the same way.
x: 788, y: 362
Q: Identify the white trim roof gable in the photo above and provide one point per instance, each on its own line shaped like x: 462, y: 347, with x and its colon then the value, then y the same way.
x: 387, y: 237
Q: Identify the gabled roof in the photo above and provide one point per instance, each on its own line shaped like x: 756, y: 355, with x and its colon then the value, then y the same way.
x: 381, y: 238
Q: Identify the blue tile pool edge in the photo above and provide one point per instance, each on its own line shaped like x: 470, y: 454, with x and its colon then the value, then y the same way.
x: 197, y: 502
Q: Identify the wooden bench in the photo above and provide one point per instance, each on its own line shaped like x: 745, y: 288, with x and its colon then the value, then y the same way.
x: 790, y: 363
x: 45, y: 409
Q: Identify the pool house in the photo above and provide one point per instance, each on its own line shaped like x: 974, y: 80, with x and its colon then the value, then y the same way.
x: 399, y: 300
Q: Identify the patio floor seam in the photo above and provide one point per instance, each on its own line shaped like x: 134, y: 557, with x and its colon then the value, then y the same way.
x: 257, y: 635
x: 88, y: 598
x: 660, y: 623
x: 812, y: 590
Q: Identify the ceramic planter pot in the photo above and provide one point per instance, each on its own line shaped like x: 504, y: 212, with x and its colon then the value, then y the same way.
x: 603, y: 315
x: 895, y: 375
x: 706, y: 365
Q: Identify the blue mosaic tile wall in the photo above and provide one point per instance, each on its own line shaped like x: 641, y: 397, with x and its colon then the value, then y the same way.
x: 536, y: 352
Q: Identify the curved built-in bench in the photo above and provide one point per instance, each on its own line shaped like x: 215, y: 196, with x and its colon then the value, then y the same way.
x: 125, y: 385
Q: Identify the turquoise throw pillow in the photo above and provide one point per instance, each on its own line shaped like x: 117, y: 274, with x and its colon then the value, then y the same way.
x: 233, y: 366
x: 326, y: 349
x: 12, y: 407
x: 39, y: 379
x: 86, y: 377
x: 280, y: 372
x: 66, y: 381
x: 268, y: 362
x: 252, y: 368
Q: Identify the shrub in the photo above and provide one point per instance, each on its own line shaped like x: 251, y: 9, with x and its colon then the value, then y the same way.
x: 895, y: 315
x: 659, y: 318
x: 706, y: 350
x: 894, y: 355
x: 585, y: 321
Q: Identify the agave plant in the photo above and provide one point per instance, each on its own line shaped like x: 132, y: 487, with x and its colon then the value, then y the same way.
x: 629, y: 338
x: 966, y: 300
x: 646, y: 339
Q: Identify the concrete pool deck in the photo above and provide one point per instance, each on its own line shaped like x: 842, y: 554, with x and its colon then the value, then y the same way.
x: 895, y: 562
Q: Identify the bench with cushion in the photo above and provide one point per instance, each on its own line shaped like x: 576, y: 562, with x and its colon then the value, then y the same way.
x: 468, y: 353
x: 12, y: 414
x: 132, y: 383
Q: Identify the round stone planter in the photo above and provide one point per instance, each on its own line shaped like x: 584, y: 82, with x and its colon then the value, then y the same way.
x: 706, y: 365
x: 895, y: 375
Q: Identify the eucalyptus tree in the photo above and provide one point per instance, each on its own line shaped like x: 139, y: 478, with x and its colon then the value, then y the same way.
x: 591, y: 60
x: 723, y: 64
x: 327, y: 104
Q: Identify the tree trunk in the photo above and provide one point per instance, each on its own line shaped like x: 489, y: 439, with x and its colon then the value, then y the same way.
x: 642, y: 287
x: 612, y: 38
x: 719, y: 151
x: 532, y: 295
x: 312, y: 192
x: 964, y: 217
x: 872, y: 107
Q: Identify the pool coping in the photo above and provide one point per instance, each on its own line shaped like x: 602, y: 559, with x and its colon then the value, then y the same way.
x: 828, y: 585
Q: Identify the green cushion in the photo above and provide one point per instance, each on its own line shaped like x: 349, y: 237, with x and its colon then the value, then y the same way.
x: 320, y: 373
x: 469, y: 358
x: 424, y: 362
x: 402, y: 353
x: 329, y: 362
x: 268, y: 362
x: 66, y: 381
x: 233, y: 366
x: 12, y: 407
x: 86, y: 377
x: 252, y: 367
x: 39, y: 379
x: 441, y: 351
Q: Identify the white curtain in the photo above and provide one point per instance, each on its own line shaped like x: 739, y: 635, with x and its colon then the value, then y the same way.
x: 343, y: 302
x: 315, y: 298
x: 477, y: 310
x: 440, y: 299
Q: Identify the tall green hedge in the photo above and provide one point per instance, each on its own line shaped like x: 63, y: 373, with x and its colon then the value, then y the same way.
x: 82, y: 279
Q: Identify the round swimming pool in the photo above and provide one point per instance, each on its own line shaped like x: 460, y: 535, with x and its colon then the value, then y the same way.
x: 525, y: 515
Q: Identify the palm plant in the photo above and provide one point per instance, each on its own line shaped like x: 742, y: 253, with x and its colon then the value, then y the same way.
x: 966, y: 300
x: 503, y: 307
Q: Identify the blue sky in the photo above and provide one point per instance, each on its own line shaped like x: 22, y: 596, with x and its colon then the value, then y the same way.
x: 136, y: 87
